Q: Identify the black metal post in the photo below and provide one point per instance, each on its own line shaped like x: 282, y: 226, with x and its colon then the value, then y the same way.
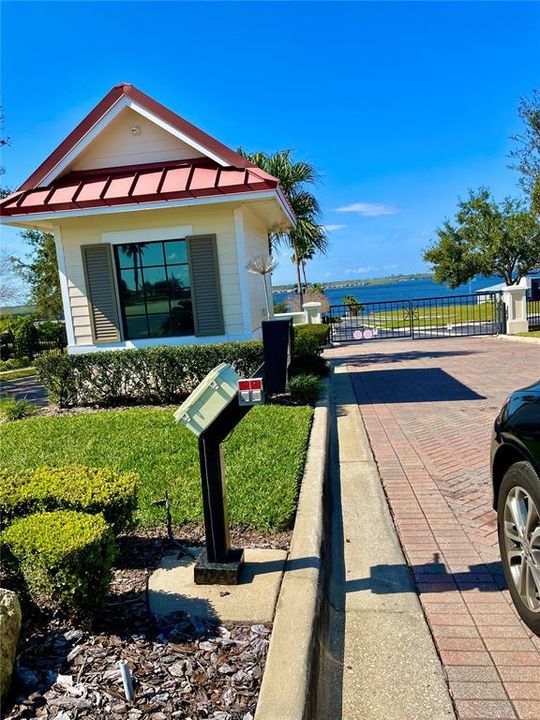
x: 219, y: 564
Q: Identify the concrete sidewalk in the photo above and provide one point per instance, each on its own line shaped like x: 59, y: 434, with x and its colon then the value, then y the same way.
x: 378, y: 636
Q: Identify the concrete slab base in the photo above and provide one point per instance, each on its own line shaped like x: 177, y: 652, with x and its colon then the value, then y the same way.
x: 171, y: 588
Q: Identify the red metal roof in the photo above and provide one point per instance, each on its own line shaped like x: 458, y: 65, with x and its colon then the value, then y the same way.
x: 113, y: 96
x: 152, y: 182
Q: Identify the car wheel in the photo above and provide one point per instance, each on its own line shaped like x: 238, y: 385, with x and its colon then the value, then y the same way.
x: 518, y: 519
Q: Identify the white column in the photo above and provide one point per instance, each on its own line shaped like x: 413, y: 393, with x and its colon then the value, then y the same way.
x: 515, y: 299
x: 240, y: 240
x: 313, y: 312
x: 60, y: 259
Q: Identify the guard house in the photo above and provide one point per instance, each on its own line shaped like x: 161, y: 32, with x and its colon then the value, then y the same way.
x: 154, y: 223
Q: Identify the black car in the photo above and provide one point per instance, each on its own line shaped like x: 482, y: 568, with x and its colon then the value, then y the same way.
x: 515, y: 472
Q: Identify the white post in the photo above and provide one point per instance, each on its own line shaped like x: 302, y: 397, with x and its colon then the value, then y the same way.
x: 66, y: 302
x: 313, y: 312
x: 515, y: 299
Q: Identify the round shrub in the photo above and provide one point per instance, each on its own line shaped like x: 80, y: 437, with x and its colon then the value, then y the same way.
x: 65, y: 558
x: 89, y: 490
x: 305, y: 389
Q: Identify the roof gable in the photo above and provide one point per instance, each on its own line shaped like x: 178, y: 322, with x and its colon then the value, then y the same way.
x: 94, y: 132
x: 131, y: 139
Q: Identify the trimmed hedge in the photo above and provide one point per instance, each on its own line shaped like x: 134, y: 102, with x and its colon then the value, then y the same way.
x: 309, y: 339
x: 156, y: 375
x: 65, y: 558
x: 90, y: 490
x: 144, y: 376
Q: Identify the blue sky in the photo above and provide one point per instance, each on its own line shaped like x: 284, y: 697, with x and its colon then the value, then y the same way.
x: 401, y: 106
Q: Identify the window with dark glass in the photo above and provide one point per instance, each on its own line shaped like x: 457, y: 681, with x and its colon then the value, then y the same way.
x: 155, y: 289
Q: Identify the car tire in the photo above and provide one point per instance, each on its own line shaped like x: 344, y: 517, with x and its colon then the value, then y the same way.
x: 518, y: 521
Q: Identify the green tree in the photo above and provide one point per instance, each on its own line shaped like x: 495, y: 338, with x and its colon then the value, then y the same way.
x: 487, y: 238
x: 40, y: 271
x: 526, y: 154
x: 295, y: 178
x: 353, y: 304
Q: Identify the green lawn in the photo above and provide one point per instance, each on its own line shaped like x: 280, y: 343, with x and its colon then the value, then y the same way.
x: 16, y: 374
x: 531, y: 333
x: 264, y: 458
x: 431, y: 316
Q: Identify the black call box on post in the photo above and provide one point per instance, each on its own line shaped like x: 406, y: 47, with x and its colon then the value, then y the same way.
x: 212, y: 411
x: 278, y: 349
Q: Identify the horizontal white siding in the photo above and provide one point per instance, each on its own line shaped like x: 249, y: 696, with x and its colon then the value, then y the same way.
x: 212, y: 219
x: 117, y: 145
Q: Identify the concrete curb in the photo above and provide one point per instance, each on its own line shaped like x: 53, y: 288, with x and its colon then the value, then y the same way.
x: 517, y: 338
x: 286, y: 682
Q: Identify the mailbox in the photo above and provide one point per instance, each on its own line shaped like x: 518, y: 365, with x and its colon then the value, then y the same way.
x: 212, y: 411
x: 250, y: 391
x: 208, y: 399
x: 278, y: 349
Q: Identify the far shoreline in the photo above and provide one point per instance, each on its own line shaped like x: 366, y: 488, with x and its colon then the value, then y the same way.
x: 336, y: 284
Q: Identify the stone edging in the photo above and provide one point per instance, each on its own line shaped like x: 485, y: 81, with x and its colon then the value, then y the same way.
x: 518, y: 338
x: 287, y: 676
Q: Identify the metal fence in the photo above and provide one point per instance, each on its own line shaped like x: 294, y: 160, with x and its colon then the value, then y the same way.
x: 533, y: 314
x: 11, y: 349
x: 449, y: 316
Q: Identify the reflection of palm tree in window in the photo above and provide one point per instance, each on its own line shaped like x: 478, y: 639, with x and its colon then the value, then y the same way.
x: 134, y: 252
x: 176, y: 287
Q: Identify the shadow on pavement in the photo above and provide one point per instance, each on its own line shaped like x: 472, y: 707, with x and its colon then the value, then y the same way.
x: 409, y: 386
x: 28, y: 388
x: 429, y: 578
x: 383, y: 358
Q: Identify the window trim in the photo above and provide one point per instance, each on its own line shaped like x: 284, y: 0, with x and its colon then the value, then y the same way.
x: 165, y: 266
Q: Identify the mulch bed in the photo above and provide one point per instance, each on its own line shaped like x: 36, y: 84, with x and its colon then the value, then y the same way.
x: 182, y: 666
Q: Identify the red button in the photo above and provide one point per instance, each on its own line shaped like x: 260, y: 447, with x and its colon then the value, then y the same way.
x: 243, y: 385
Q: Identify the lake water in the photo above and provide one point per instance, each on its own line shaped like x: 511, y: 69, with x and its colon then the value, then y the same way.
x: 401, y: 290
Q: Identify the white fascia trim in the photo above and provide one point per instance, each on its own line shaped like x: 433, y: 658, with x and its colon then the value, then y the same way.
x: 174, y: 131
x: 285, y: 206
x: 156, y: 342
x: 240, y: 234
x: 61, y: 261
x: 111, y: 209
x: 83, y: 143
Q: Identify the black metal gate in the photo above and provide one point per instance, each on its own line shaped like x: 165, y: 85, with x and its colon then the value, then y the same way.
x: 533, y: 313
x: 449, y: 316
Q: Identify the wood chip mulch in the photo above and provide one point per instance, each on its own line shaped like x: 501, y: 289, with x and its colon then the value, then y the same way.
x: 182, y: 666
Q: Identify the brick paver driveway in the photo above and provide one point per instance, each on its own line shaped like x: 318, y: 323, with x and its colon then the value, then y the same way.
x: 429, y: 407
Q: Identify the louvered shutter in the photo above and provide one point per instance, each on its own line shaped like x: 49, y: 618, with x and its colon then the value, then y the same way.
x: 205, y: 287
x: 101, y: 293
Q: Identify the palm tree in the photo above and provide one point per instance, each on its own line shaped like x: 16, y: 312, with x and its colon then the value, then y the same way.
x: 309, y: 236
